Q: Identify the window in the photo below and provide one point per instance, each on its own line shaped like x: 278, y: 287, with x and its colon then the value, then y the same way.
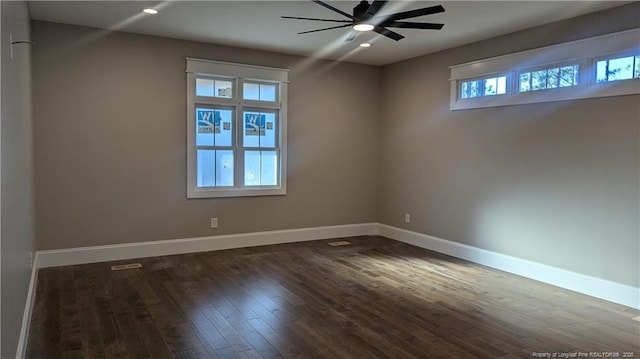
x: 555, y: 77
x: 236, y: 130
x: 483, y: 87
x: 620, y: 68
x: 607, y: 65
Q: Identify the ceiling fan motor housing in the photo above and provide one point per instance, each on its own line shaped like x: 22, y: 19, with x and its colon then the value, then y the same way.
x: 360, y: 11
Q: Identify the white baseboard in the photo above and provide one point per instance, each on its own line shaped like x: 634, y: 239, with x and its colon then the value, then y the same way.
x: 595, y: 287
x: 71, y: 256
x: 21, y: 351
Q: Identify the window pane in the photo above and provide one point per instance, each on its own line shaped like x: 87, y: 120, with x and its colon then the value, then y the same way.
x: 204, y: 87
x: 473, y: 88
x: 224, y: 89
x: 268, y: 92
x: 269, y: 168
x: 553, y: 78
x: 268, y: 138
x: 464, y: 89
x: 568, y: 76
x: 224, y: 168
x: 636, y: 73
x: 621, y: 69
x: 254, y: 126
x: 539, y: 80
x: 206, y: 174
x: 601, y: 71
x: 224, y: 128
x: 502, y: 85
x: 214, y: 127
x: 251, y: 91
x: 208, y: 122
x: 259, y: 92
x: 261, y: 168
x: 214, y: 88
x: 215, y: 168
x: 260, y: 129
x: 252, y: 168
x: 524, y: 81
x: 490, y: 87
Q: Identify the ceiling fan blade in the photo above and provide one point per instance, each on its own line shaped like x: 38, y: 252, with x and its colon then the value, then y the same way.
x: 314, y: 19
x: 332, y: 8
x: 413, y: 25
x: 414, y: 13
x: 326, y: 28
x: 375, y: 7
x: 388, y: 33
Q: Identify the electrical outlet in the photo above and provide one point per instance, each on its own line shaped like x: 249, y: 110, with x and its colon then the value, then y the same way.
x: 407, y: 218
x: 214, y: 222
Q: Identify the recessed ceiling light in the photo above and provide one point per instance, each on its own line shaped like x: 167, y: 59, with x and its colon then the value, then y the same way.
x: 365, y: 44
x: 363, y: 27
x: 150, y: 11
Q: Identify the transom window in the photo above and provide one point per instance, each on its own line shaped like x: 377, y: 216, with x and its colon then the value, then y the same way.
x: 618, y: 68
x: 555, y: 77
x: 601, y: 66
x: 490, y: 86
x: 236, y: 130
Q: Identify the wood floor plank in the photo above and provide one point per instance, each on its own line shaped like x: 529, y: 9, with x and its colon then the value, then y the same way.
x: 374, y: 298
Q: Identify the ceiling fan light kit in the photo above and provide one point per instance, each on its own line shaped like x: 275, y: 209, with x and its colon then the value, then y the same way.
x: 365, y: 18
x: 363, y: 27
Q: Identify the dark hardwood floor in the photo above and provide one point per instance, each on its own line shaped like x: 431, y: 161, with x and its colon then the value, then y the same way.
x: 376, y: 298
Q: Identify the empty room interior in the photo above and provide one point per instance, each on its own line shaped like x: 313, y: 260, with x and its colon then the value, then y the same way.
x: 320, y: 179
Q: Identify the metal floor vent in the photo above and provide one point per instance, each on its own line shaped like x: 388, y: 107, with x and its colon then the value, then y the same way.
x: 126, y: 266
x: 339, y: 243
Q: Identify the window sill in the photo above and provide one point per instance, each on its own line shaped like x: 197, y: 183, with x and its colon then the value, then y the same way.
x: 236, y: 192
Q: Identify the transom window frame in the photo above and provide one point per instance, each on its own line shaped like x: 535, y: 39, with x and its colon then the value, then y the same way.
x: 585, y: 53
x: 238, y: 74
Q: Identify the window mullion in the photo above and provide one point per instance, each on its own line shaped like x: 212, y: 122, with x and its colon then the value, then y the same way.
x: 239, y: 175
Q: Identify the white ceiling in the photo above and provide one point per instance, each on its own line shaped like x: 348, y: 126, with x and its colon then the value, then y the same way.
x: 257, y: 24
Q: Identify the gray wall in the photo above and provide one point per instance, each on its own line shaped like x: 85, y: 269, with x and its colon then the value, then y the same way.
x: 110, y: 135
x: 555, y: 183
x: 17, y: 219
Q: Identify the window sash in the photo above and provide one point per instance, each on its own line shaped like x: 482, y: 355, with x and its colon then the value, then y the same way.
x: 574, y: 81
x: 466, y: 87
x: 634, y: 67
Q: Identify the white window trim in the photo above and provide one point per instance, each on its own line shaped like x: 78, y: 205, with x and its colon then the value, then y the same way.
x: 583, y: 52
x: 238, y: 73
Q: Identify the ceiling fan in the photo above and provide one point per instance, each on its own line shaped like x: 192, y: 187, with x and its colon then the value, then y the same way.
x: 364, y: 19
